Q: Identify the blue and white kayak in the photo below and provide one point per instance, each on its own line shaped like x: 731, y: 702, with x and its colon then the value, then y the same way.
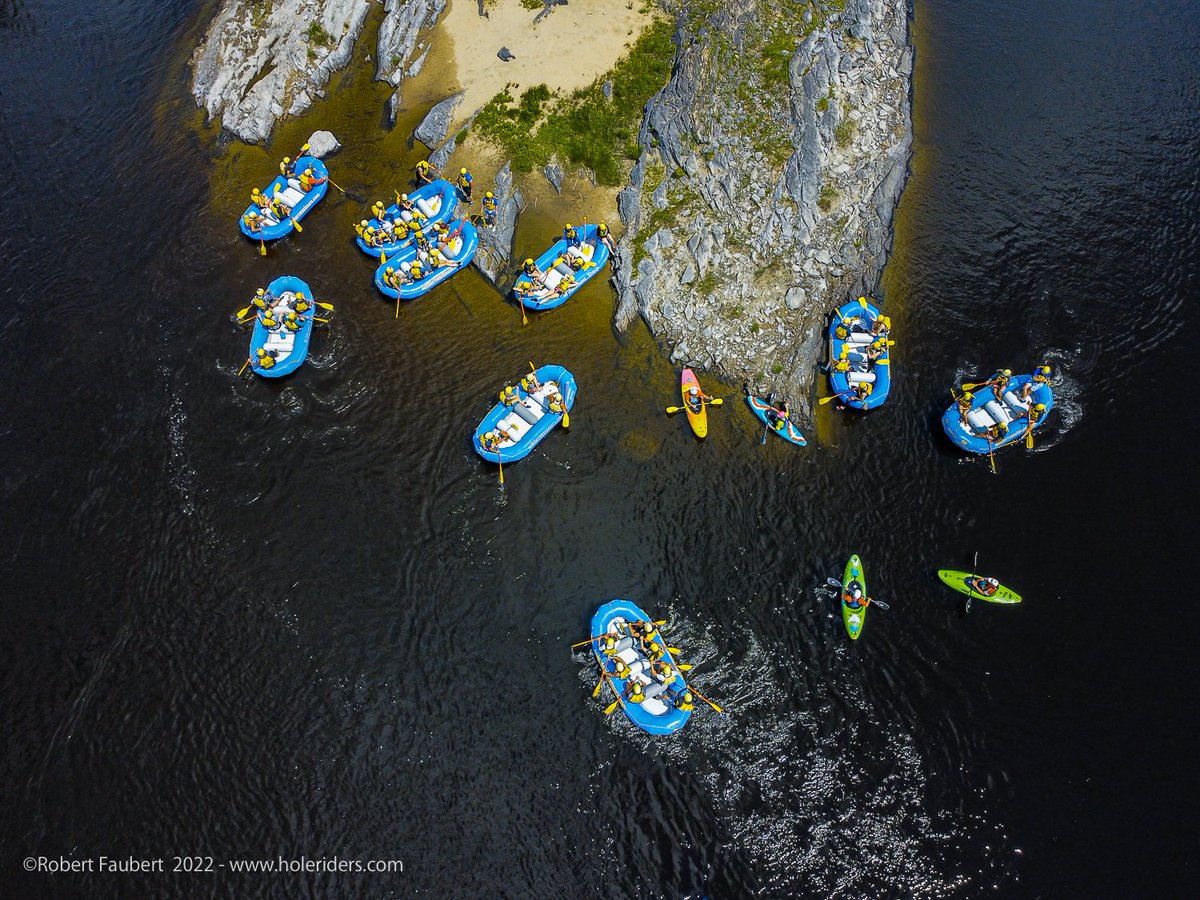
x: 854, y: 322
x: 529, y: 419
x: 988, y: 410
x: 436, y: 202
x: 294, y: 196
x: 762, y: 408
x: 657, y: 714
x: 459, y: 251
x: 289, y: 348
x: 554, y: 262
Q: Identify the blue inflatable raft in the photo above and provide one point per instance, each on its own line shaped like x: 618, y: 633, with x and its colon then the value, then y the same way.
x: 657, y: 714
x: 789, y: 432
x: 854, y: 321
x: 289, y: 348
x: 988, y: 410
x: 435, y: 200
x: 529, y: 419
x: 460, y: 251
x: 300, y: 201
x: 554, y: 263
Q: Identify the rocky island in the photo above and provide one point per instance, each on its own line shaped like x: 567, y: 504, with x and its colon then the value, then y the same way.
x: 756, y: 185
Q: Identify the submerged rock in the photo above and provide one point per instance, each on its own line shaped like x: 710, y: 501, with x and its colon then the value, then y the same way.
x: 322, y: 144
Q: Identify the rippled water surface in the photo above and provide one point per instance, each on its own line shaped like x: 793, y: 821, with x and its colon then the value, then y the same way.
x: 255, y: 619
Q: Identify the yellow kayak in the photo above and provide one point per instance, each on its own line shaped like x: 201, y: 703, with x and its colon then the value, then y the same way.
x: 698, y: 420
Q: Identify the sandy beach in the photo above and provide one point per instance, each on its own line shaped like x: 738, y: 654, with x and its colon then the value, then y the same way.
x: 566, y: 50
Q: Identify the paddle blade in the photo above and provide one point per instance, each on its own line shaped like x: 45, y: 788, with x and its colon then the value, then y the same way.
x: 501, y: 472
x: 262, y: 247
x: 1029, y: 441
x: 596, y: 691
x: 241, y: 313
x: 382, y: 257
x: 717, y: 402
x: 863, y: 301
x: 684, y: 667
x: 297, y: 226
x: 328, y: 306
x: 674, y: 650
x: 608, y: 711
x: 671, y: 410
x: 881, y: 362
x: 661, y: 622
x: 825, y: 400
x: 567, y: 421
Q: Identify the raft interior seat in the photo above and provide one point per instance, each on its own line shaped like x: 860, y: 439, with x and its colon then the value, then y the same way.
x: 293, y: 194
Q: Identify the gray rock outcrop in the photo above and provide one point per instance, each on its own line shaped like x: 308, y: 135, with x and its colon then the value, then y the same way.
x: 263, y: 59
x: 432, y: 130
x: 494, y: 257
x: 765, y: 189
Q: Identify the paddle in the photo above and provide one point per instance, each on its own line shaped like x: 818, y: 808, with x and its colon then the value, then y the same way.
x: 716, y: 401
x: 262, y: 244
x: 844, y: 395
x: 397, y: 303
x: 566, y: 420
x: 692, y: 688
x: 991, y: 454
x: 331, y: 181
x: 243, y: 368
x: 500, y: 463
x: 296, y: 224
x: 833, y: 582
x: 863, y: 302
x: 241, y: 312
x: 974, y: 566
x: 1029, y: 431
x: 608, y: 711
x: 521, y: 300
x: 767, y: 423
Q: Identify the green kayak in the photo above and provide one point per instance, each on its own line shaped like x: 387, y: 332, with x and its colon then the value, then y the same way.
x: 959, y: 581
x: 854, y: 617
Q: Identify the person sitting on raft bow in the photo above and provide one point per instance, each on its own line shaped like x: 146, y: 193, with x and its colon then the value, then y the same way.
x: 509, y: 395
x: 266, y: 358
x: 464, y: 185
x: 964, y: 406
x: 696, y: 399
x: 681, y: 698
x: 425, y: 173
x: 489, y: 209
x: 491, y: 440
x: 571, y: 235
x: 392, y: 278
x: 862, y: 391
x: 605, y: 237
x: 309, y: 180
x: 999, y: 383
x: 852, y: 596
x: 996, y: 432
x: 1041, y: 375
x: 556, y: 404
x: 981, y: 585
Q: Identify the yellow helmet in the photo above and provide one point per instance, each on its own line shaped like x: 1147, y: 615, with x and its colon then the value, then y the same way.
x: 389, y: 270
x: 299, y: 295
x: 287, y: 159
x: 529, y: 260
x: 569, y: 225
x: 462, y: 171
x: 260, y: 292
x: 488, y: 194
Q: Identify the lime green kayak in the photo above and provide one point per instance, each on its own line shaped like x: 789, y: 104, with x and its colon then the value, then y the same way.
x: 854, y: 617
x: 959, y: 581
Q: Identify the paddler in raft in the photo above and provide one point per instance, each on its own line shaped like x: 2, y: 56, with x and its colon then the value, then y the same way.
x: 491, y: 440
x: 1041, y: 375
x: 530, y: 383
x: 287, y: 168
x: 964, y: 407
x: 862, y: 391
x: 308, y: 180
x: 509, y: 395
x: 266, y: 358
x: 392, y: 278
x: 571, y: 236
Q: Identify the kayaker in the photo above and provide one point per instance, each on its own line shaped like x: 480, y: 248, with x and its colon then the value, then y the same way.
x: 571, y: 235
x: 391, y: 279
x: 489, y: 209
x: 308, y: 180
x: 985, y: 586
x: 266, y: 358
x: 964, y: 406
x: 287, y: 168
x: 464, y: 185
x: 779, y: 416
x: 853, y: 597
x: 697, y: 398
x: 509, y: 395
x: 606, y: 238
x: 425, y: 172
x: 862, y: 391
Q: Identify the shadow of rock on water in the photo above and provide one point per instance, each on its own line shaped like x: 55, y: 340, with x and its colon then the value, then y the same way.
x: 640, y: 444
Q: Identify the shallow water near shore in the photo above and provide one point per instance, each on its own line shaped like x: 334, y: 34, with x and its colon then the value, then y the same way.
x: 255, y: 619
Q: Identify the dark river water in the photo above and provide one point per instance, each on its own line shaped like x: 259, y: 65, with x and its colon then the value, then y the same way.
x: 257, y: 620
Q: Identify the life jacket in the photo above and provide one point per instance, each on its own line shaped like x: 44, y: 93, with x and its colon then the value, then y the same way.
x: 266, y: 361
x: 423, y: 167
x: 416, y: 272
x: 391, y: 279
x: 422, y: 241
x: 260, y: 302
x: 636, y: 693
x: 530, y: 268
x: 842, y: 365
x: 401, y: 229
x: 301, y: 306
x: 288, y: 169
x: 566, y: 284
x: 602, y: 230
x: 570, y: 235
x: 489, y: 203
x: 464, y: 181
x: 864, y: 389
x: 508, y: 396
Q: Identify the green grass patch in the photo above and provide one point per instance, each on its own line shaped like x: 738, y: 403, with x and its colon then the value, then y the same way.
x: 318, y: 36
x: 844, y: 133
x: 826, y: 197
x: 708, y: 284
x: 532, y: 4
x: 583, y: 128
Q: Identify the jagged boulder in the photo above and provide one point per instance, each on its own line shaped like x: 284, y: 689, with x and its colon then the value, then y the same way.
x: 432, y: 130
x: 494, y: 257
x: 322, y: 144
